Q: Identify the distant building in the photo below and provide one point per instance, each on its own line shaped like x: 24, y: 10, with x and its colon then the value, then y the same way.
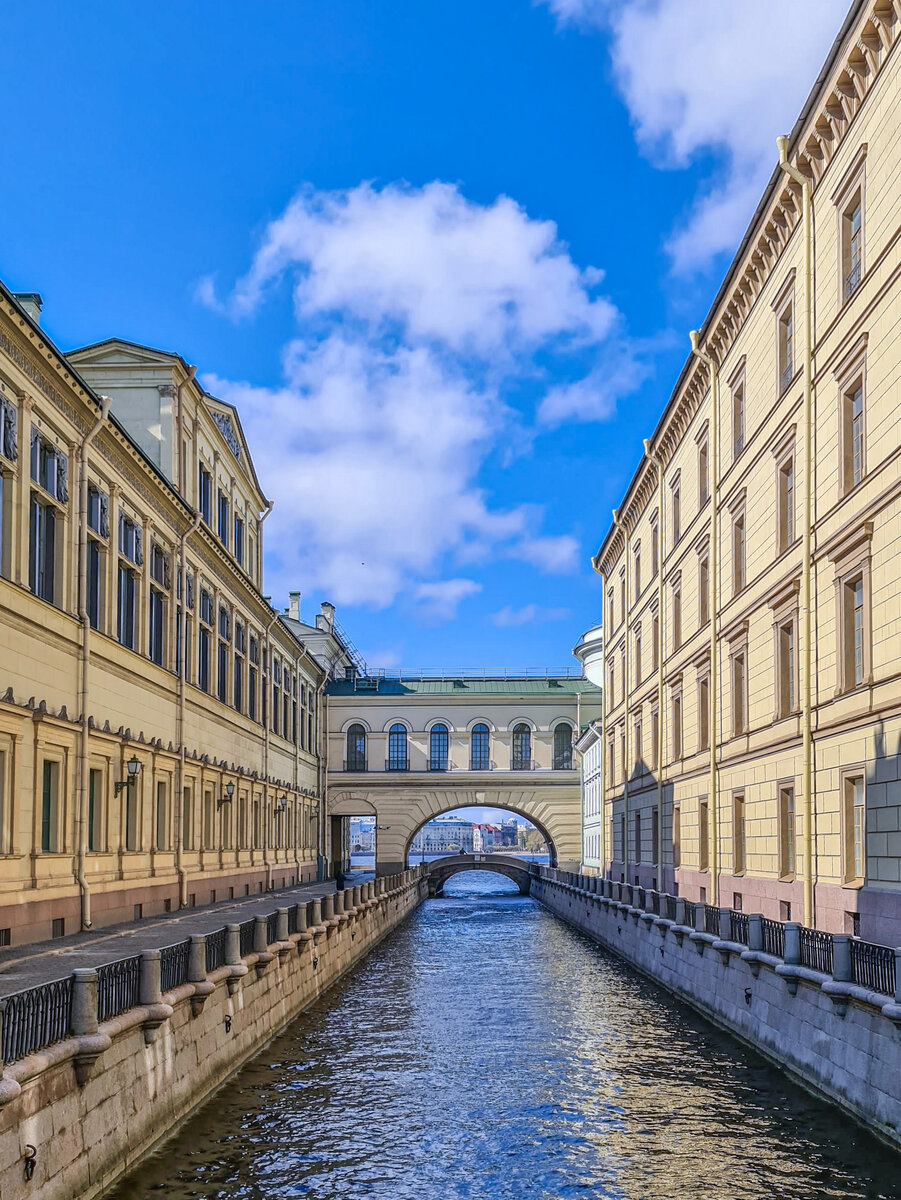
x: 444, y: 837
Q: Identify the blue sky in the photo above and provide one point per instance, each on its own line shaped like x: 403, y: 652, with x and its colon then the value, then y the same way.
x: 444, y: 257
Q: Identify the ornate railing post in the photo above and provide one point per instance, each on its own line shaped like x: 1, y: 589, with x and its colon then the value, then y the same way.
x: 84, y: 1001
x: 755, y: 931
x: 841, y: 958
x: 792, y: 956
x: 197, y: 972
x: 316, y: 913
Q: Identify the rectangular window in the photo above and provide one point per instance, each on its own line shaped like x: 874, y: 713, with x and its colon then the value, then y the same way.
x: 637, y: 561
x: 853, y: 436
x: 222, y: 664
x: 655, y: 836
x: 854, y: 829
x: 786, y: 504
x: 703, y: 472
x: 854, y: 633
x: 157, y: 628
x: 738, y: 835
x: 42, y: 550
x: 677, y: 615
x: 209, y: 821
x: 704, y: 713
x: 125, y: 616
x: 677, y: 511
x: 787, y: 668
x: 637, y: 843
x: 50, y: 808
x: 655, y: 739
x: 239, y: 540
x: 677, y: 837
x: 223, y: 517
x: 203, y: 658
x: 93, y: 597
x: 187, y: 818
x: 162, y: 816
x: 655, y: 548
x: 703, y: 834
x: 238, y: 689
x: 130, y: 540
x: 638, y: 745
x: 611, y: 616
x: 786, y: 831
x: 95, y: 810
x: 738, y: 693
x: 205, y: 493
x: 738, y: 554
x: 638, y: 656
x: 786, y: 347
x: 677, y: 725
x: 655, y: 642
x: 703, y: 590
x: 852, y: 244
x: 738, y: 418
x: 131, y: 816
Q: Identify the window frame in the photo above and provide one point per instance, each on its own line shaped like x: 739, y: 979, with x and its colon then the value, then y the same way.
x: 849, y: 816
x: 786, y: 799
x: 853, y: 185
x: 739, y: 833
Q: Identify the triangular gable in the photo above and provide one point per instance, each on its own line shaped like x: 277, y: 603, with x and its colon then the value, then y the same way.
x: 117, y: 351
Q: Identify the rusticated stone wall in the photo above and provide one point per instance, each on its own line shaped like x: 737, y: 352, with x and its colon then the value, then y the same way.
x: 90, y: 1122
x: 838, y: 1040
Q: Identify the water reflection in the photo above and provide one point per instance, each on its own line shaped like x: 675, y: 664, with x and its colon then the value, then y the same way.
x: 486, y: 1051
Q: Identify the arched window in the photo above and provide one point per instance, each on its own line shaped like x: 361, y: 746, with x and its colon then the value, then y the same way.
x: 438, y: 748
x: 397, y: 748
x: 356, y: 748
x: 563, y: 747
x: 479, y: 760
x: 522, y: 747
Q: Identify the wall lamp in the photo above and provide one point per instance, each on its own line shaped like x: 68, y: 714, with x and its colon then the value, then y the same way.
x: 133, y: 767
x: 227, y: 798
x: 281, y: 805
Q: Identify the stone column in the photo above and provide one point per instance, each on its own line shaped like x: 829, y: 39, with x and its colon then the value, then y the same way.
x: 260, y: 936
x: 149, y: 992
x: 328, y: 907
x: 197, y: 959
x: 302, y: 914
x: 84, y: 1001
x: 282, y: 928
x: 338, y: 900
x: 233, y: 945
x: 315, y: 912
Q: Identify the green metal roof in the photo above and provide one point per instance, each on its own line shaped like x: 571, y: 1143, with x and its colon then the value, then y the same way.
x: 461, y: 687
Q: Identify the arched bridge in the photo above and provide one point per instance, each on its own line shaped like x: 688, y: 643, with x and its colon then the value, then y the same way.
x: 441, y: 869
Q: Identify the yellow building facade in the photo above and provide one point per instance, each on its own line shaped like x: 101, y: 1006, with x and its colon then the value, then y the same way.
x: 159, y: 724
x: 752, y: 601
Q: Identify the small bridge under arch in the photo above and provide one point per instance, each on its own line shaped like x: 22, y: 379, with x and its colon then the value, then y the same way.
x: 441, y: 869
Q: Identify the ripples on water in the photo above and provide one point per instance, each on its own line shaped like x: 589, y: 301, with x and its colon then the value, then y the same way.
x: 486, y: 1051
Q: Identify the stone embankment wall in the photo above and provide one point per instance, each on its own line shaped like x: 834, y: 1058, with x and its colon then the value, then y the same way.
x: 839, y: 1040
x: 93, y: 1105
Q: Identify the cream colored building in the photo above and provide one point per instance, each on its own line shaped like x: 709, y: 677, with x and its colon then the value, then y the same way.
x: 752, y: 760
x: 132, y: 630
x: 406, y: 749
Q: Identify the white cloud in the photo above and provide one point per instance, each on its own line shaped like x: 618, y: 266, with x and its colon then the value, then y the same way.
x: 418, y: 313
x: 509, y: 617
x: 703, y: 75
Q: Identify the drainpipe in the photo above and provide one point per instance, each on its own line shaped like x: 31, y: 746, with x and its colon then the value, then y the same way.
x: 84, y: 664
x: 180, y: 869
x: 806, y: 570
x: 713, y: 574
x: 268, y: 660
x: 658, y: 766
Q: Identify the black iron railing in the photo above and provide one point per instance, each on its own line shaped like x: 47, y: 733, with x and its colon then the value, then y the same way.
x: 773, y: 933
x: 816, y: 950
x: 215, y: 949
x: 271, y: 928
x: 174, y: 965
x: 36, y: 1018
x: 738, y: 923
x: 293, y: 918
x: 640, y: 898
x: 669, y: 907
x: 245, y: 930
x: 691, y: 914
x: 712, y: 919
x: 873, y: 966
x: 118, y: 986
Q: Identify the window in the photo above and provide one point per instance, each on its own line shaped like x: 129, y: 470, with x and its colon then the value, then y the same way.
x: 95, y: 810
x: 49, y: 467
x: 98, y: 511
x: 131, y: 540
x: 563, y: 747
x: 852, y: 243
x: 223, y: 513
x: 638, y: 745
x: 786, y: 668
x: 786, y: 503
x: 703, y: 590
x: 854, y: 828
x: 252, y: 673
x: 4, y: 570
x: 622, y: 593
x: 786, y: 831
x: 739, y: 684
x: 854, y: 458
x: 703, y: 472
x: 738, y: 553
x: 9, y: 418
x: 611, y: 617
x: 704, y: 712
x: 397, y: 748
x: 50, y: 808
x: 703, y: 834
x: 676, y: 711
x: 224, y: 653
x: 131, y: 816
x: 738, y: 835
x: 209, y: 821
x: 125, y: 616
x: 611, y: 760
x: 239, y: 540
x: 94, y: 589
x: 238, y: 675
x: 638, y: 656
x: 786, y: 346
x: 276, y: 694
x: 522, y: 747
x: 677, y: 509
x: 204, y: 640
x: 611, y: 680
x: 655, y: 640
x: 438, y: 739
x: 356, y: 749
x: 854, y: 654
x: 162, y: 816
x: 205, y: 493
x: 187, y: 818
x: 479, y: 747
x: 157, y: 629
x: 655, y: 546
x: 42, y: 549
x: 677, y: 836
x: 738, y: 418
x: 637, y: 843
x: 637, y: 561
x: 677, y: 613
x: 655, y: 739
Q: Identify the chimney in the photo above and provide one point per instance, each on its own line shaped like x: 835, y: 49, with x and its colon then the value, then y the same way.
x: 294, y: 605
x: 32, y: 302
x: 328, y: 611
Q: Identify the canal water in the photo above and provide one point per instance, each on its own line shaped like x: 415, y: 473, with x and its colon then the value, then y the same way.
x: 486, y: 1051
